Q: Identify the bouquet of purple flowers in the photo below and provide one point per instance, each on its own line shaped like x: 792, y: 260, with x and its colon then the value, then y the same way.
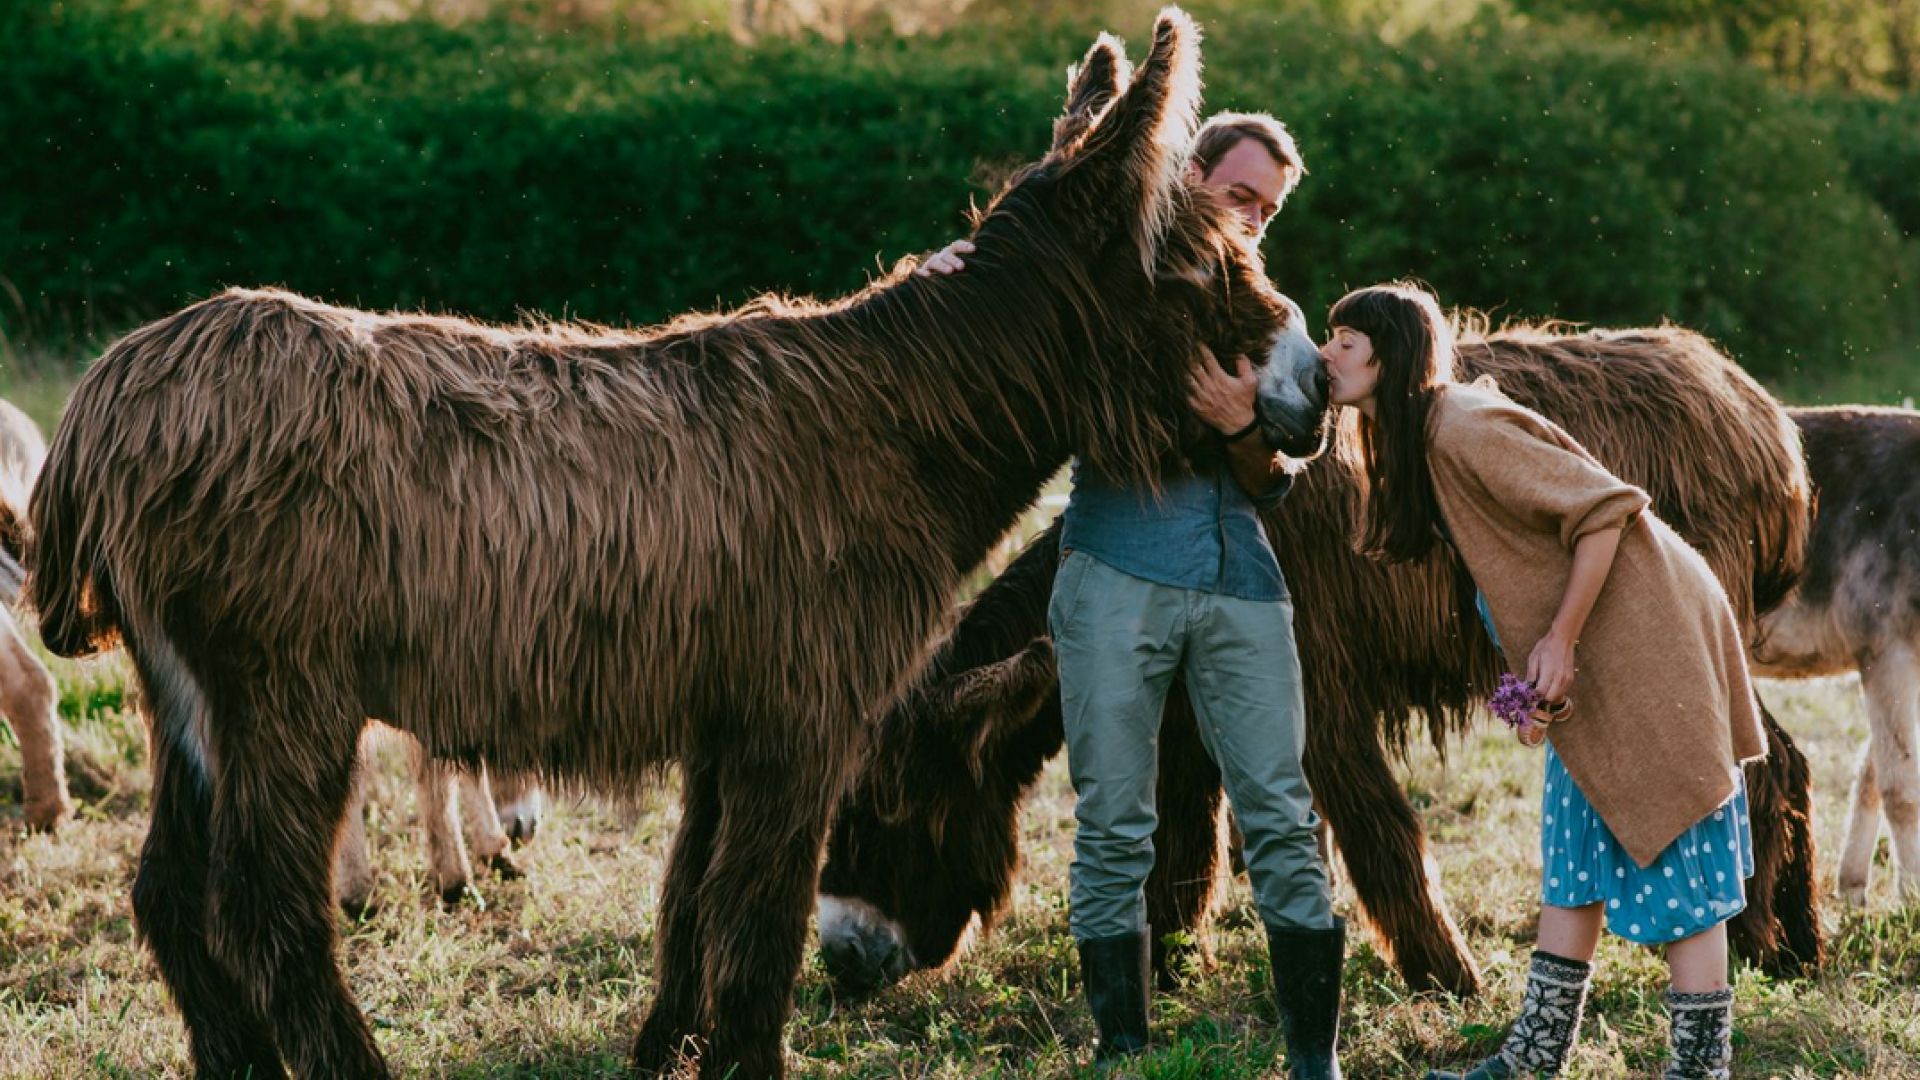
x: 1521, y: 708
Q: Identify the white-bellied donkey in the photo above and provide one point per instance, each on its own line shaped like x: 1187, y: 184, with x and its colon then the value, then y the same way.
x: 1857, y: 608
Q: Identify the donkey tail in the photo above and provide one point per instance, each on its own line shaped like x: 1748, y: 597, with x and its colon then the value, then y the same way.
x: 67, y: 580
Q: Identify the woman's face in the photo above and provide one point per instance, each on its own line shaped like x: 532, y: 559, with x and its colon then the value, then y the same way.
x: 1351, y: 372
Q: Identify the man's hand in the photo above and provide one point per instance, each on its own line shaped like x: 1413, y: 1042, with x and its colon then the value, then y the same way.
x: 945, y: 261
x: 1225, y: 402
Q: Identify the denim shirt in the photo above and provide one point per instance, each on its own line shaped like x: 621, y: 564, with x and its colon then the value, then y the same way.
x: 1202, y: 532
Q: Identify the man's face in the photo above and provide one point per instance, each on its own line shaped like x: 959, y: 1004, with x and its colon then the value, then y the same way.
x: 1250, y: 181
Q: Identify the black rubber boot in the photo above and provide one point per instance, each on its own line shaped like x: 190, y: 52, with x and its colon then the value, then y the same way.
x: 1117, y: 972
x: 1306, y: 987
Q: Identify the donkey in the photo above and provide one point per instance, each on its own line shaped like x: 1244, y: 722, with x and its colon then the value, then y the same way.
x: 498, y: 812
x: 28, y: 696
x: 1858, y: 609
x: 297, y: 516
x: 923, y: 851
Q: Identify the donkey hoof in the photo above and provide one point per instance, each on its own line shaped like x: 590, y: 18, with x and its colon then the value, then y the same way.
x: 360, y: 907
x: 662, y: 1055
x: 463, y: 892
x: 47, y: 817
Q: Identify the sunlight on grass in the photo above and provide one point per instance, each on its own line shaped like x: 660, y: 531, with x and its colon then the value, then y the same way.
x: 548, y: 978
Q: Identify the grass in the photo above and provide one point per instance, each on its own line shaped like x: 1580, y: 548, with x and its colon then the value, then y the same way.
x: 548, y: 977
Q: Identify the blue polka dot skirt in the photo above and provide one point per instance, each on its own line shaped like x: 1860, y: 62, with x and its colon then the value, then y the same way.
x: 1698, y: 882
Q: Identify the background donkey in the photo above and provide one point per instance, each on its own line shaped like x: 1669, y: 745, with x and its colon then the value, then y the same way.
x: 1858, y: 609
x: 28, y: 695
x: 497, y: 812
x: 571, y: 551
x: 907, y: 874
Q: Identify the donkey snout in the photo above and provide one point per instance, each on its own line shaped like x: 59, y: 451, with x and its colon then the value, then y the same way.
x: 861, y: 955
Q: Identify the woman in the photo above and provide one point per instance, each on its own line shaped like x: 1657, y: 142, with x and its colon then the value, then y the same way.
x: 1599, y: 603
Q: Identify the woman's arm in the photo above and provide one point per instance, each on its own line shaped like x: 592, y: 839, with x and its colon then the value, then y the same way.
x: 1550, y: 667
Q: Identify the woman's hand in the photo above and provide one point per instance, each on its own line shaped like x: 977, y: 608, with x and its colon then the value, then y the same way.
x: 1222, y: 400
x: 1550, y: 667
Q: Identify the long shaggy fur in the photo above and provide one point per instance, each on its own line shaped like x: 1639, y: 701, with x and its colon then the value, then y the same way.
x: 587, y: 552
x: 1384, y: 644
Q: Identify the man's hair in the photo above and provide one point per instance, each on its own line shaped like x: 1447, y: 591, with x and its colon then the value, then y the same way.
x: 1224, y: 131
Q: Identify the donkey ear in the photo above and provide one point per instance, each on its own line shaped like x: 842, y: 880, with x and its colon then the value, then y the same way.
x: 1092, y: 84
x: 997, y: 700
x: 1141, y: 143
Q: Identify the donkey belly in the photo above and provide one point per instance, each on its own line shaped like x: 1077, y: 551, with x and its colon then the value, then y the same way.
x: 1801, y: 641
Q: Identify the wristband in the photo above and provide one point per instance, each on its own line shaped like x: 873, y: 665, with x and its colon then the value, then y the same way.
x: 1251, y: 427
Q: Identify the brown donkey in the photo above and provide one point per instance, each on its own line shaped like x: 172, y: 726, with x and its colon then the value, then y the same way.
x: 926, y: 846
x: 576, y: 552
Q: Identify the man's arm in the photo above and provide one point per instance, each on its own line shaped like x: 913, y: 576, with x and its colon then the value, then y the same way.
x: 1225, y: 402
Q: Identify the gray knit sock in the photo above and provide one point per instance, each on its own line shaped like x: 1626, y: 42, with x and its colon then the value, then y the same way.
x: 1548, y: 1023
x: 1702, y: 1035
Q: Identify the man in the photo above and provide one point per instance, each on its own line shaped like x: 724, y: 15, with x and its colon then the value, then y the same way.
x: 1185, y: 583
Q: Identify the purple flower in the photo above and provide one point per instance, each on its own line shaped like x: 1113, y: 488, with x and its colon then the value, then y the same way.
x: 1514, y: 701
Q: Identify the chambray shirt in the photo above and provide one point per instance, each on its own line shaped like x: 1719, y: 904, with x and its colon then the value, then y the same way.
x: 1202, y: 532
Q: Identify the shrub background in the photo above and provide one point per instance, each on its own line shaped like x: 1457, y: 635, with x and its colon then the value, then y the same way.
x: 157, y: 152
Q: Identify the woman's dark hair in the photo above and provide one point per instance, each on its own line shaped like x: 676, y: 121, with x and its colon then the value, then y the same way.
x: 1413, y: 349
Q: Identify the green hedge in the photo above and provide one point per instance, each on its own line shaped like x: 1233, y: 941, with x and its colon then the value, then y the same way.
x: 493, y: 167
x: 1879, y: 138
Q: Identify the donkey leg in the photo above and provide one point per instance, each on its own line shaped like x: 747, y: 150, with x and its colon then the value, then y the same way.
x: 486, y: 839
x: 286, y: 756
x: 759, y: 897
x: 352, y: 868
x: 1187, y: 847
x: 1863, y: 831
x: 1892, y: 685
x: 437, y: 784
x: 1394, y: 876
x: 1780, y: 929
x: 676, y: 1023
x: 227, y: 1035
x: 29, y: 699
x: 520, y: 804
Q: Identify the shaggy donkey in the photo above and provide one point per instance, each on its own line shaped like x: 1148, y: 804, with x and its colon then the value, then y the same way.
x: 498, y: 812
x: 1858, y: 608
x: 928, y: 842
x: 28, y: 696
x: 574, y: 552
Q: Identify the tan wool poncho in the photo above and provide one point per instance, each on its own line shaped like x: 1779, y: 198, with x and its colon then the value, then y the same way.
x: 1664, y: 712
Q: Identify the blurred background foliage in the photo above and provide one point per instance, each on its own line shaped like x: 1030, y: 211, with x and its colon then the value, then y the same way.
x: 1745, y: 167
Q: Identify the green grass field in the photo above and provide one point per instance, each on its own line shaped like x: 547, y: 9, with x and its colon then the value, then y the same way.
x: 548, y: 978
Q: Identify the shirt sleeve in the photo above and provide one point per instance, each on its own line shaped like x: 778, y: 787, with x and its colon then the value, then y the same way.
x: 1272, y: 498
x: 1538, y: 475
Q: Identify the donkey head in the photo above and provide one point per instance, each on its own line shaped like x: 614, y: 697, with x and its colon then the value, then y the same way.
x: 1146, y: 266
x: 926, y: 843
x: 926, y: 848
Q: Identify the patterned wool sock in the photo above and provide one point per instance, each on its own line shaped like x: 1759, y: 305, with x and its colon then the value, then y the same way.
x: 1702, y: 1035
x: 1548, y: 1023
